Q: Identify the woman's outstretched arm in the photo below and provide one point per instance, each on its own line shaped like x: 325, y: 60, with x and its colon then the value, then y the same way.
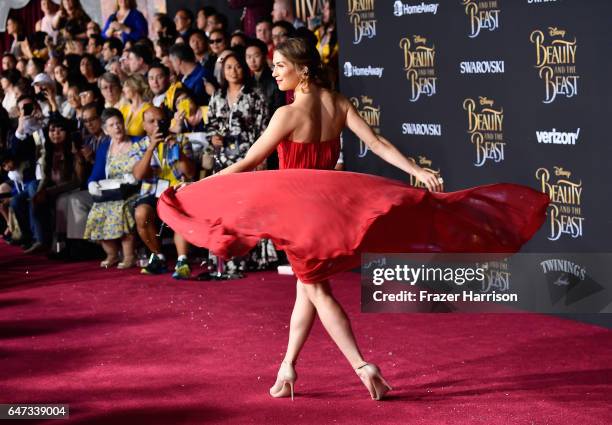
x: 384, y: 149
x: 266, y: 143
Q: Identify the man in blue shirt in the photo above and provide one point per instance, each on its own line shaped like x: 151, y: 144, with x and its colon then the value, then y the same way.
x: 193, y: 75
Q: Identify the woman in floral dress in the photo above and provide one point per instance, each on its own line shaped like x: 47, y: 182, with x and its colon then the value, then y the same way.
x: 237, y: 113
x: 112, y: 221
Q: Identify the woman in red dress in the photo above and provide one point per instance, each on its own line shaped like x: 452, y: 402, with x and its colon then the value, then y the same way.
x: 324, y: 219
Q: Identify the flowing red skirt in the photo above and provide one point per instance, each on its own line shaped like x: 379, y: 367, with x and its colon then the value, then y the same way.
x: 324, y: 220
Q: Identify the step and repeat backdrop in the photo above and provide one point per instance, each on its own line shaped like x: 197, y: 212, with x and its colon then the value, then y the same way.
x: 490, y: 91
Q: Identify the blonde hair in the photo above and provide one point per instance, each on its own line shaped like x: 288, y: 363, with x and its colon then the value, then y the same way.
x: 131, y: 4
x: 138, y: 83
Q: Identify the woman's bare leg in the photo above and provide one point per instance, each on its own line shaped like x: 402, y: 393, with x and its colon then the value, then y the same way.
x: 127, y: 246
x: 302, y: 319
x: 111, y: 249
x: 335, y: 320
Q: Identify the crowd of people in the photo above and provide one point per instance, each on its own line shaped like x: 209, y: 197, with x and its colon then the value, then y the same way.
x: 97, y: 121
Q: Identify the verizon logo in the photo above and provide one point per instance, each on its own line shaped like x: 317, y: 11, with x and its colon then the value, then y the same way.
x: 558, y: 137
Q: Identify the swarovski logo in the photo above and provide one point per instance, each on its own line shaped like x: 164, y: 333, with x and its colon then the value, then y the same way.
x: 482, y: 67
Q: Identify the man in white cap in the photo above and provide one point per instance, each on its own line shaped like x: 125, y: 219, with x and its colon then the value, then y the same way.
x: 44, y: 87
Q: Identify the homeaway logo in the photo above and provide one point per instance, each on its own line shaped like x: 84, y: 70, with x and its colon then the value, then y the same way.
x: 400, y: 8
x: 355, y: 71
x: 558, y: 137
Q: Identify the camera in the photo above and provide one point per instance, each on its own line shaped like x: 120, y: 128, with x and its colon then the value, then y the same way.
x: 41, y: 96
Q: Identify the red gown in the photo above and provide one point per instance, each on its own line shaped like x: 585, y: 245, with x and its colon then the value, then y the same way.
x: 325, y: 219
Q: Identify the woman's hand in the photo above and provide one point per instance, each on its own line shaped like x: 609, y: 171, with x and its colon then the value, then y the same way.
x: 431, y: 180
x: 177, y: 122
x: 50, y: 96
x: 196, y: 118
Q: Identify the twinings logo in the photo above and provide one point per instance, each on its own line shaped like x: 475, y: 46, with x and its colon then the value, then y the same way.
x: 564, y: 213
x: 370, y: 114
x: 483, y: 15
x: 556, y: 63
x: 419, y: 63
x: 424, y: 163
x: 565, y: 267
x: 486, y: 129
x: 497, y: 276
x: 361, y: 16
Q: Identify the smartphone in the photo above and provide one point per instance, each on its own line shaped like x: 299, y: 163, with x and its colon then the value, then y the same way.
x: 184, y: 106
x: 163, y: 127
x: 28, y: 108
x: 316, y: 21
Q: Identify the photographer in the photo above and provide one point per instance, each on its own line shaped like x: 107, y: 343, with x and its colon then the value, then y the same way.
x: 26, y: 148
x: 45, y: 93
x: 163, y: 161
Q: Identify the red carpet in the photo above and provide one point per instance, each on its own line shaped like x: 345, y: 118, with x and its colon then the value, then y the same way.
x: 121, y: 348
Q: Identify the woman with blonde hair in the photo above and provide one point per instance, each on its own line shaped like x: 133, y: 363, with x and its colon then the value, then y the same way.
x: 137, y: 96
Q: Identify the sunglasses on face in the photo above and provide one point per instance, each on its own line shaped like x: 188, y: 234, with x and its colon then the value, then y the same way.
x: 216, y: 40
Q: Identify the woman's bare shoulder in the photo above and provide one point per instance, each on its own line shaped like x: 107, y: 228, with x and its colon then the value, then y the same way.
x: 285, y: 113
x: 285, y: 119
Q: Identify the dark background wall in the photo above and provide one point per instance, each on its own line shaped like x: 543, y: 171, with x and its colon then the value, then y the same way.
x: 518, y: 49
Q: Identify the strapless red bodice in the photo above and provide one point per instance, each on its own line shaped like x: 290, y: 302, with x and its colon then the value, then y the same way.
x: 317, y: 155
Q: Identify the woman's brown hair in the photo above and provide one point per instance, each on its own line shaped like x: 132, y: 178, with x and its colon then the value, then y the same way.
x: 302, y: 53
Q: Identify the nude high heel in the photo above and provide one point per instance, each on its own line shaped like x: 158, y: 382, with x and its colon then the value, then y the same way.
x: 283, y: 387
x: 375, y: 383
x: 109, y: 262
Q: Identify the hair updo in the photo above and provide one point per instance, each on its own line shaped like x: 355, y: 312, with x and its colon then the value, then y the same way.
x: 302, y: 53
